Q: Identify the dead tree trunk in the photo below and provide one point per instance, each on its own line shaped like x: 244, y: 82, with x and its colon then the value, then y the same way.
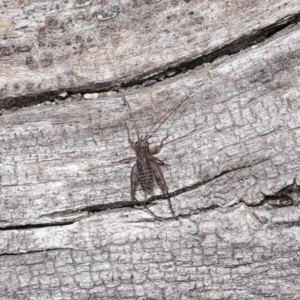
x: 69, y: 229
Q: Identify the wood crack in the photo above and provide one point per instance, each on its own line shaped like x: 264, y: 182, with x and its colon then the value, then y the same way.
x: 37, y: 251
x: 40, y: 225
x: 203, y: 182
x: 171, y: 70
x: 131, y: 204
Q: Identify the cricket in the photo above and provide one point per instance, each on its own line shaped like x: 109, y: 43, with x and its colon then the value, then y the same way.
x: 147, y: 171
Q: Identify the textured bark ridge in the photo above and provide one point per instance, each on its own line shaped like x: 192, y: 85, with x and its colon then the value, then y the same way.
x: 69, y: 229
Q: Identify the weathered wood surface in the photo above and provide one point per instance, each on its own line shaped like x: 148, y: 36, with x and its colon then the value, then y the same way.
x: 53, y: 45
x: 68, y: 227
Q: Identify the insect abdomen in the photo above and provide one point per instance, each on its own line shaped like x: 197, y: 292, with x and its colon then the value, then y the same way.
x: 146, y: 176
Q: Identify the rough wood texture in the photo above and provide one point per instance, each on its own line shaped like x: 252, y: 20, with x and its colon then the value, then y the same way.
x: 68, y: 227
x: 55, y: 45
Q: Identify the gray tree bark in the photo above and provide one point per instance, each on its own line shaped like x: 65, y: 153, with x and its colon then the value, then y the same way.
x: 69, y: 229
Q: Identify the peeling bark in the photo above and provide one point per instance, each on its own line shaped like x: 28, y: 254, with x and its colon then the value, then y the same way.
x: 69, y: 229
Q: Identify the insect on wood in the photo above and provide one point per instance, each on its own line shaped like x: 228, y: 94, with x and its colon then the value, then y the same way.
x: 147, y: 169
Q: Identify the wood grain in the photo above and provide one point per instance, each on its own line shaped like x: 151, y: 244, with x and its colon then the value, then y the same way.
x: 52, y: 46
x: 69, y: 229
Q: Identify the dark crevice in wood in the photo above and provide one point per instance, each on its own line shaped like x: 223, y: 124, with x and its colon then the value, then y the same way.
x: 102, y: 207
x: 30, y: 226
x: 286, y: 224
x: 216, y: 206
x: 36, y: 251
x: 200, y: 183
x: 239, y: 265
x: 168, y: 71
x: 234, y: 47
x: 285, y: 196
x: 130, y: 204
x: 90, y: 209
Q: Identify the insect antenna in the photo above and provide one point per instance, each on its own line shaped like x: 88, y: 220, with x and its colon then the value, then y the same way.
x: 164, y: 118
x: 124, y: 98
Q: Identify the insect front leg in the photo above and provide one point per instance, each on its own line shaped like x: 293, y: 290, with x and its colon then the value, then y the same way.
x: 156, y: 149
x: 158, y: 174
x: 127, y: 160
x: 135, y: 180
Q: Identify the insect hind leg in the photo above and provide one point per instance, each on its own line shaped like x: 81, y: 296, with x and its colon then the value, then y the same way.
x: 161, y: 183
x: 145, y: 206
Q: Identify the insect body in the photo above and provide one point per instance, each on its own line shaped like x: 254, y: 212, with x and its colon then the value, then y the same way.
x: 147, y: 170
